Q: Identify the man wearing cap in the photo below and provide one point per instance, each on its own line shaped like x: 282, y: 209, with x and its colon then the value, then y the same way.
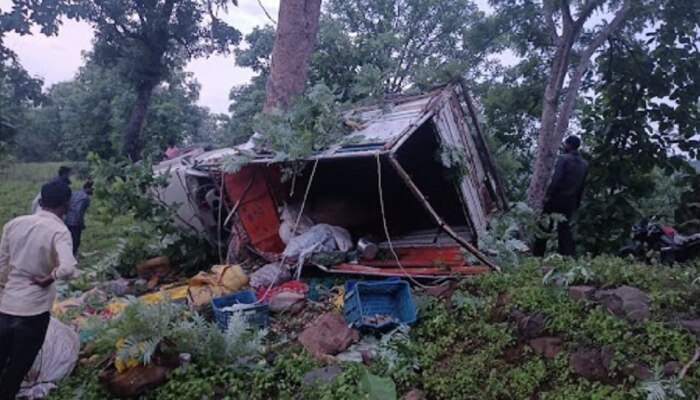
x: 35, y: 251
x: 564, y: 195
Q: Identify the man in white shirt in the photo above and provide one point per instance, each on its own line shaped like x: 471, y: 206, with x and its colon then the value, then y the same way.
x: 35, y: 251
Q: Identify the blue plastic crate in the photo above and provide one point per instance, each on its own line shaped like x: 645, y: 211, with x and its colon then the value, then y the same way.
x: 257, y: 315
x: 391, y: 298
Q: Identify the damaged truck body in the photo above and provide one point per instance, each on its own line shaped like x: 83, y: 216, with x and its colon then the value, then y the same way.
x: 414, y: 186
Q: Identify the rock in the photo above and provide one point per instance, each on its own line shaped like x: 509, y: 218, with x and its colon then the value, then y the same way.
x: 328, y: 335
x: 591, y: 363
x: 577, y: 293
x: 498, y: 310
x: 291, y: 302
x: 134, y: 381
x: 547, y: 347
x: 693, y: 325
x: 671, y: 368
x: 529, y: 326
x: 625, y: 302
x: 322, y: 376
x: 443, y: 291
x: 414, y: 394
x: 639, y: 371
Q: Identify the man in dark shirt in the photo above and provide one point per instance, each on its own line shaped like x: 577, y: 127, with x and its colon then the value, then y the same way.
x: 75, y: 216
x: 564, y: 196
x: 63, y: 176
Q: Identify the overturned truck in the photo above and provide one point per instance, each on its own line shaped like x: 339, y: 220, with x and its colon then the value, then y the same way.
x: 416, y: 187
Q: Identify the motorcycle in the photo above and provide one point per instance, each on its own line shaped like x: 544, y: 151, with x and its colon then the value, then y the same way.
x: 649, y: 236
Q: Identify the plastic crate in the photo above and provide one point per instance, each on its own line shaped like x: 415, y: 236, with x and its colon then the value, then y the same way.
x: 256, y: 315
x: 390, y: 298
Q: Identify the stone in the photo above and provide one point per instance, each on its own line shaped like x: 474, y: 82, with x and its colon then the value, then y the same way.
x: 328, y: 335
x: 547, y: 347
x: 287, y: 301
x: 414, y: 394
x: 577, y: 293
x: 693, y: 325
x: 322, y: 376
x: 625, y: 302
x: 592, y: 363
x: 443, y: 291
x: 640, y: 371
x: 671, y: 368
x: 529, y: 326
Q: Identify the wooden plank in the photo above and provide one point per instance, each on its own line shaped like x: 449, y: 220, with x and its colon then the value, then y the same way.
x: 414, y: 272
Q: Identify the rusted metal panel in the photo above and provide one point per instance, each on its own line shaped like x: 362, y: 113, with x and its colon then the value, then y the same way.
x: 248, y: 188
x: 479, y: 176
x: 470, y: 188
x: 423, y: 256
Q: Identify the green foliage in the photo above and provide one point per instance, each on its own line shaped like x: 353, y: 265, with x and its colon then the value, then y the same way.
x: 454, y: 159
x: 510, y: 233
x: 18, y: 90
x: 659, y: 388
x: 143, y: 329
x: 313, y: 123
x: 144, y: 41
x: 373, y: 49
x: 471, y: 349
x: 373, y: 387
x: 90, y: 113
x: 629, y: 131
x: 124, y: 188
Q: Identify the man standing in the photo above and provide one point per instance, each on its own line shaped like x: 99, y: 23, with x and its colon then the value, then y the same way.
x: 63, y: 176
x: 35, y: 250
x: 75, y: 216
x: 564, y: 196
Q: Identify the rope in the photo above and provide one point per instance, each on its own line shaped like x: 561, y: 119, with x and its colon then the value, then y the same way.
x: 386, y: 227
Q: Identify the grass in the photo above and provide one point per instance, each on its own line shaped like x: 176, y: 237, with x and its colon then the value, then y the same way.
x: 20, y: 183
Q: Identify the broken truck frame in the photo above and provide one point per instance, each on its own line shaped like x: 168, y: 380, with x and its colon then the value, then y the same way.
x: 405, y: 135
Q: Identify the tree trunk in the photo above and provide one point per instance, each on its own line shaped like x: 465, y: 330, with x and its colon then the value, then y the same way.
x: 296, y: 36
x: 132, y: 144
x: 555, y: 116
x: 546, y: 143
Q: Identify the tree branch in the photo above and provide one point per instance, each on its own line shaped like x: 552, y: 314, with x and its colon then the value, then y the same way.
x: 576, y: 77
x: 586, y: 11
x: 692, y: 361
x: 548, y: 14
x: 568, y: 21
x: 267, y: 13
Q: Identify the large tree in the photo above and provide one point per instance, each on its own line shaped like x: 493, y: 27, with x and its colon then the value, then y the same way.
x: 641, y: 125
x: 296, y: 36
x: 145, y: 40
x: 89, y: 114
x: 566, y: 35
x: 368, y: 49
